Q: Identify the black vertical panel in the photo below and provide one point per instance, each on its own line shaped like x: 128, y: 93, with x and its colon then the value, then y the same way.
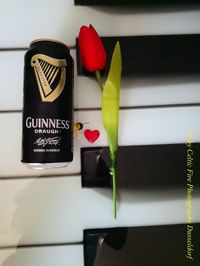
x: 141, y: 166
x: 164, y: 245
x: 136, y: 2
x: 153, y: 55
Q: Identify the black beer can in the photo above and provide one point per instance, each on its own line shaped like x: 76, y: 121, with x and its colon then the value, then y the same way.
x: 47, y: 133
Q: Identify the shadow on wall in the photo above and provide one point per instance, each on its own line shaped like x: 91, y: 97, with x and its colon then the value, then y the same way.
x: 44, y: 209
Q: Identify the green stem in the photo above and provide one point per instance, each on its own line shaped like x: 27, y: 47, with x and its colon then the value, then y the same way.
x: 98, y: 77
x: 114, y: 195
x: 113, y: 172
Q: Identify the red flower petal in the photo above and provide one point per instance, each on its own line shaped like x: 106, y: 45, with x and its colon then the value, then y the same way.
x: 92, y: 51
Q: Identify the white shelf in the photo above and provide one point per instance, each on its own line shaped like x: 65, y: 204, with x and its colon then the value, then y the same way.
x: 134, y: 92
x: 57, y: 209
x: 43, y: 256
x: 60, y: 19
x: 137, y: 126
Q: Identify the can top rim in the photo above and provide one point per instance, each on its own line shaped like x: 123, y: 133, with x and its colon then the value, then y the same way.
x: 48, y: 40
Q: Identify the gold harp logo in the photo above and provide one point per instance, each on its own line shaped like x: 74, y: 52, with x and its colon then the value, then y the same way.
x: 49, y: 71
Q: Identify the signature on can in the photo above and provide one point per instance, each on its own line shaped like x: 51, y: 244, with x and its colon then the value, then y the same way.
x: 48, y: 141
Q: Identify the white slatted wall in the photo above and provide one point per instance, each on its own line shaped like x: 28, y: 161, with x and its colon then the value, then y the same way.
x: 47, y: 214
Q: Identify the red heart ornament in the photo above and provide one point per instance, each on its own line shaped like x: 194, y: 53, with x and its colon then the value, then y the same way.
x: 91, y: 135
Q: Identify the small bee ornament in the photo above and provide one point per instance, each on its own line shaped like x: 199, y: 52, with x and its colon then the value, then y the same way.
x: 78, y: 127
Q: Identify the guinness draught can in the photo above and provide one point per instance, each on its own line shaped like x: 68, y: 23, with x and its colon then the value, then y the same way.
x: 48, y: 104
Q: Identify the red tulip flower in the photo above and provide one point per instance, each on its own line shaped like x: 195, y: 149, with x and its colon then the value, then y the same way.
x: 92, y: 52
x: 93, y: 57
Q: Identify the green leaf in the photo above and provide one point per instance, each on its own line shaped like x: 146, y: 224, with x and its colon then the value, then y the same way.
x: 110, y: 99
x: 110, y: 113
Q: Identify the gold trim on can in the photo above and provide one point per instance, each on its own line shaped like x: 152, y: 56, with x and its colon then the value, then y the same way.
x: 49, y: 40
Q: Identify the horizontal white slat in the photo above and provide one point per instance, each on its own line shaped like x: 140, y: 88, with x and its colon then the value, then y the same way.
x: 11, y: 69
x: 60, y: 19
x: 43, y: 256
x: 56, y: 210
x: 134, y: 92
x: 142, y: 126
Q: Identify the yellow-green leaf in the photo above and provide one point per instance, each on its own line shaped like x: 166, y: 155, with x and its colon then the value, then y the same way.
x: 110, y: 99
